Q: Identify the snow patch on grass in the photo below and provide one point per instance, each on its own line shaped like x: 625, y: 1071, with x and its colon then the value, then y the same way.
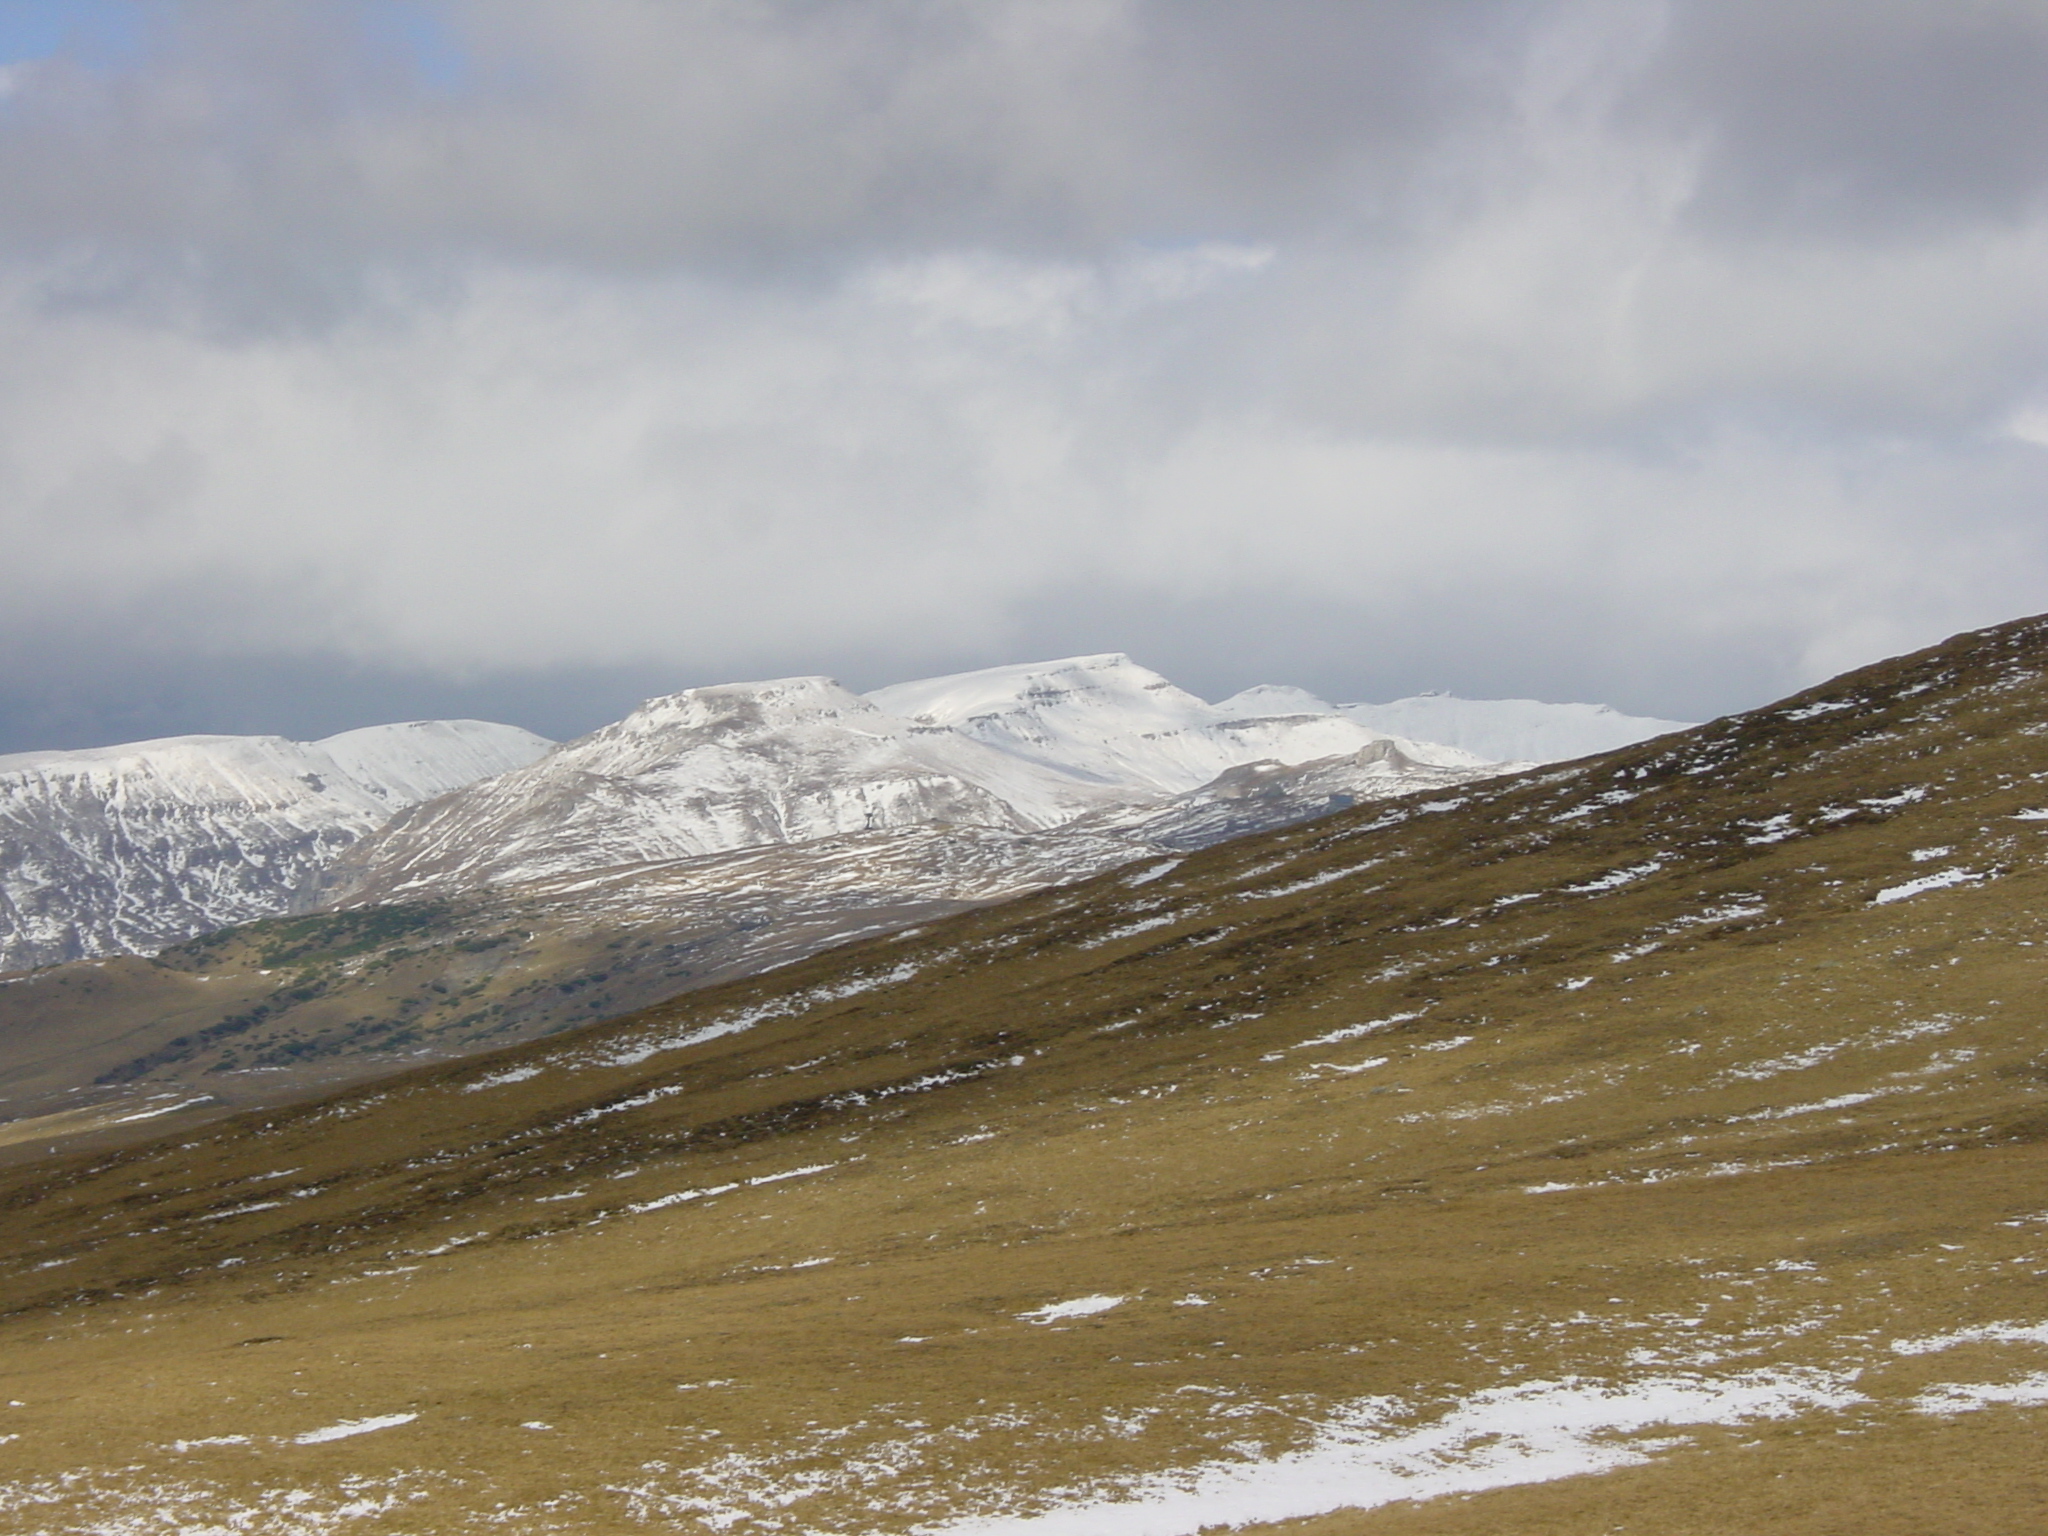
x: 1969, y: 1396
x: 684, y: 1196
x: 1364, y: 1457
x: 243, y: 1210
x: 1353, y: 1031
x: 1080, y: 1306
x: 1615, y: 879
x: 1840, y: 1101
x: 1328, y: 877
x: 501, y: 1079
x: 1824, y: 707
x: 348, y: 1428
x: 1988, y: 1333
x: 1126, y: 930
x: 1940, y: 880
x: 780, y: 1008
x: 1359, y: 1066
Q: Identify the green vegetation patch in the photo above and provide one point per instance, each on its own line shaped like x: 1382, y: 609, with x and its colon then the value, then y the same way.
x: 317, y: 938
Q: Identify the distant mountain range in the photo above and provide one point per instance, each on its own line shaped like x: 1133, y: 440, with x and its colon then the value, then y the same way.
x: 1496, y: 730
x: 130, y: 849
x: 319, y: 912
x: 1018, y: 749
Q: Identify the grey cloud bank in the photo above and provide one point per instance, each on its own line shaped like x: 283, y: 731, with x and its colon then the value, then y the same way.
x: 515, y: 359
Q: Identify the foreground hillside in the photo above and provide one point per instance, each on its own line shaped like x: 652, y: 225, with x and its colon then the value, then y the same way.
x: 1656, y: 1143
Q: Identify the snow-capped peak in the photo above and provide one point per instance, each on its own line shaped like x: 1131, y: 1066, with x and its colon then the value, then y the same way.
x: 1504, y: 730
x: 1272, y: 699
x: 783, y: 708
x: 1481, y: 730
x: 1115, y: 721
x: 416, y: 760
x: 1075, y: 686
x: 778, y: 702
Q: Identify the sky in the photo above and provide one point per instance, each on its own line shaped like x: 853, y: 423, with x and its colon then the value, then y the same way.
x: 364, y: 360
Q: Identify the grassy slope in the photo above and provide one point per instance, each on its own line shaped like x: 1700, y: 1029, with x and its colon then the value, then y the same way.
x: 102, y: 1053
x: 1653, y: 1087
x: 278, y: 1010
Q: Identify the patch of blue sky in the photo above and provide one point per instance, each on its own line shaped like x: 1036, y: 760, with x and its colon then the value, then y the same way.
x: 102, y: 32
x: 420, y: 34
x: 109, y: 33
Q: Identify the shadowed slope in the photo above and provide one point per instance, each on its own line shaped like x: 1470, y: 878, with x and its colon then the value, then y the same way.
x: 1682, y: 1102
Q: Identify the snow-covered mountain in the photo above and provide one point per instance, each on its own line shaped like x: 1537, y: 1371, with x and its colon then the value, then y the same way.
x: 1492, y: 730
x: 130, y: 848
x: 1108, y: 718
x: 707, y: 771
x: 404, y: 764
x: 709, y: 834
x: 127, y: 849
x: 742, y: 765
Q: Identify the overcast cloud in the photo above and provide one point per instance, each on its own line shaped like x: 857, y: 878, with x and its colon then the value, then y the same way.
x: 520, y: 358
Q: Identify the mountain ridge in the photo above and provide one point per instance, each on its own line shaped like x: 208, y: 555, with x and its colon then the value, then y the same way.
x: 710, y: 770
x: 130, y: 848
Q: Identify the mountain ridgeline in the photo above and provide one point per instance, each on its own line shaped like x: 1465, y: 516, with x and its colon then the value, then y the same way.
x: 714, y: 769
x: 710, y: 834
x: 1654, y: 1141
x: 125, y: 850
